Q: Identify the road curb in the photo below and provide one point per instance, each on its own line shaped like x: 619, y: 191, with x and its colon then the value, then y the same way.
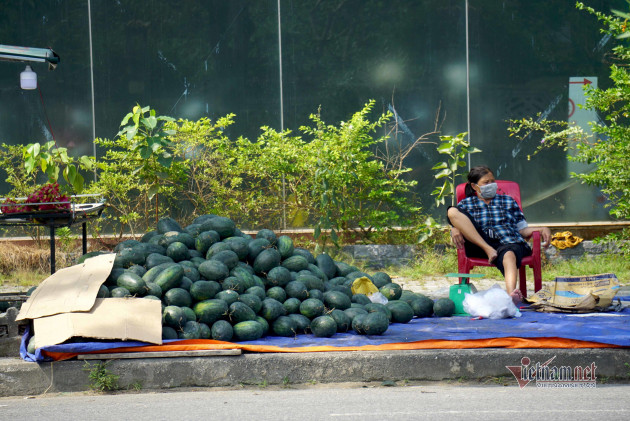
x: 20, y: 378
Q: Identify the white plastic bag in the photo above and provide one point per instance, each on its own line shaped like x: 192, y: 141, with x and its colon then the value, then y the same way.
x: 493, y: 303
x: 378, y: 298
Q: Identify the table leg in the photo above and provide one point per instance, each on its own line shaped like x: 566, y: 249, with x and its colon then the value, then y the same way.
x: 52, y: 249
x: 84, y: 237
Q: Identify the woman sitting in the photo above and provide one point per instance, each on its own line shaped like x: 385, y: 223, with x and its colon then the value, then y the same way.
x: 491, y: 225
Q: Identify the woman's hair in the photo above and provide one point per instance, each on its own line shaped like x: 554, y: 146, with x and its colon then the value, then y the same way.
x: 474, y: 175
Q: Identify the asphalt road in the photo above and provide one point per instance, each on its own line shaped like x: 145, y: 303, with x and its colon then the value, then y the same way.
x: 333, y: 402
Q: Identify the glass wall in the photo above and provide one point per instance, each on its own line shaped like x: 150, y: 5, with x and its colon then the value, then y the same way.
x: 210, y: 58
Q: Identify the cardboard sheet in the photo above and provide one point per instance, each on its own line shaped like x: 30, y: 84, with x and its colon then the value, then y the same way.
x: 69, y: 290
x: 579, y: 291
x: 109, y: 318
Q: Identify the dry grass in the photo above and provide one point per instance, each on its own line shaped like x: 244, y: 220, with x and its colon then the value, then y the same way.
x: 28, y: 265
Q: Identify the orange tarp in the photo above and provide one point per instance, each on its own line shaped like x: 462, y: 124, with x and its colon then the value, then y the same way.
x: 206, y: 344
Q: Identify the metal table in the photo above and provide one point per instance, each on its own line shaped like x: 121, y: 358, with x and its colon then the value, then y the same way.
x: 79, y: 213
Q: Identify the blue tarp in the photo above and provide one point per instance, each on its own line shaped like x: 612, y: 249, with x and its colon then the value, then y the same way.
x: 607, y: 328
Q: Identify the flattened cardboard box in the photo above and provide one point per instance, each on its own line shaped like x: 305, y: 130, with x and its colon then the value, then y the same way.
x: 110, y: 318
x: 65, y: 306
x: 570, y: 291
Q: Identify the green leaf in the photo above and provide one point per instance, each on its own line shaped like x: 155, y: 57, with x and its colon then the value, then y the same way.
x: 317, y: 232
x: 165, y: 160
x: 440, y: 166
x: 443, y: 173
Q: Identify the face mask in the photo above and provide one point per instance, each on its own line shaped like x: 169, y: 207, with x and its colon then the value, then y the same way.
x: 488, y: 191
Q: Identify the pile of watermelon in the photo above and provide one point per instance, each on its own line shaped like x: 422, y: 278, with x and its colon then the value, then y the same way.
x: 215, y: 282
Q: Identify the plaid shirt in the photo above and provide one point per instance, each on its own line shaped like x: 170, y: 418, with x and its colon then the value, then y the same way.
x: 501, y: 219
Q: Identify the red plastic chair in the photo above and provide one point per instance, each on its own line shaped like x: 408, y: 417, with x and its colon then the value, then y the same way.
x: 465, y: 263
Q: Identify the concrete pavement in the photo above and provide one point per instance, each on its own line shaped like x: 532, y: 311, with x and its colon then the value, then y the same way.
x: 20, y: 378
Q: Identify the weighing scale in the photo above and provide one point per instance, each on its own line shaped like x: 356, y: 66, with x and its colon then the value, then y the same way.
x: 457, y: 292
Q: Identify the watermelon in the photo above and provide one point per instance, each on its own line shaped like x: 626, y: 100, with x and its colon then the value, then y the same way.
x: 243, y: 273
x: 155, y: 259
x: 311, y: 281
x: 190, y: 270
x: 361, y: 299
x: 191, y: 330
x: 391, y: 291
x: 264, y: 323
x: 209, y: 311
x: 189, y: 313
x: 252, y: 301
x: 138, y: 270
x: 167, y: 224
x: 316, y: 293
x: 303, y: 323
x: 292, y: 305
x: 315, y: 270
x: 295, y: 263
x: 401, y: 311
x: 323, y: 326
x: 174, y: 316
x: 119, y: 292
x: 148, y: 235
x: 228, y: 257
x: 422, y: 306
x: 170, y: 277
x: 177, y: 251
x: 284, y: 326
x: 228, y: 295
x: 277, y: 293
x: 193, y: 229
x: 103, y: 292
x: 186, y: 283
x: 375, y: 323
x: 240, y: 312
x: 217, y: 247
x: 255, y: 247
x: 213, y: 270
x: 444, y: 307
x: 205, y: 332
x: 353, y: 312
x: 272, y: 309
x: 327, y: 265
x: 239, y: 246
x: 380, y: 279
x: 258, y: 291
x: 278, y: 276
x: 336, y: 299
x: 298, y: 251
x: 267, y: 234
x: 234, y: 284
x: 285, y: 246
x: 248, y: 331
x: 312, y: 308
x: 374, y: 307
x: 296, y: 289
x: 225, y: 227
x: 132, y: 282
x: 344, y: 269
x: 344, y: 323
x: 176, y: 237
x: 266, y: 260
x: 168, y: 333
x: 152, y: 273
x: 177, y: 297
x: 154, y: 289
x: 205, y: 239
x: 222, y: 331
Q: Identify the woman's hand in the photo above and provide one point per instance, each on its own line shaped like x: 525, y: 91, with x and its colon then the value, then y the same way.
x: 457, y: 238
